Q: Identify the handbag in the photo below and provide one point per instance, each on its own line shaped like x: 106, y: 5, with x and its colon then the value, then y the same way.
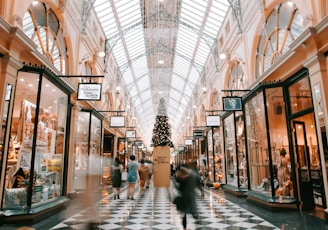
x: 124, y: 176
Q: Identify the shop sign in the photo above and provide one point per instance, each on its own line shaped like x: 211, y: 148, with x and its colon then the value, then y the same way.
x: 232, y: 103
x: 188, y: 141
x: 130, y: 133
x: 198, y: 134
x: 117, y: 121
x: 89, y: 91
x: 213, y: 121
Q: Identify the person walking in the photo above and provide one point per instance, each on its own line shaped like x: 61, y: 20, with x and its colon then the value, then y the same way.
x: 143, y: 176
x: 132, y: 167
x: 117, y: 178
x: 188, y: 181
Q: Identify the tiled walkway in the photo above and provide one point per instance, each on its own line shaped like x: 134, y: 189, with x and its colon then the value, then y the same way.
x: 155, y: 210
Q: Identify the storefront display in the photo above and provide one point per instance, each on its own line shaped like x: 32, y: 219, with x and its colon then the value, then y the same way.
x: 283, y: 156
x: 235, y: 150
x: 36, y: 154
x: 219, y: 161
x: 87, y: 149
x: 230, y: 150
x: 257, y: 141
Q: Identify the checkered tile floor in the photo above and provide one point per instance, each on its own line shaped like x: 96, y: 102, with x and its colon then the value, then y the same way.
x: 154, y: 210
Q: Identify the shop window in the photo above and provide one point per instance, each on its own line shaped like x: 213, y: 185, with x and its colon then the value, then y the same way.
x: 300, y: 95
x: 42, y: 26
x: 35, y: 161
x: 282, y: 27
x: 230, y: 150
x: 4, y: 122
x: 87, y: 71
x: 87, y: 144
x: 258, y: 152
x: 281, y: 163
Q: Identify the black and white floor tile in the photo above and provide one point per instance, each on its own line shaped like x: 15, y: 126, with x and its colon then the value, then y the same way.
x: 154, y: 210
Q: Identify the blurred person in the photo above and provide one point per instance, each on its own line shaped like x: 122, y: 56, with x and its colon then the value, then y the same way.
x: 150, y: 174
x: 132, y: 167
x: 117, y: 178
x: 188, y: 180
x: 143, y: 171
x: 92, y: 194
x: 198, y: 178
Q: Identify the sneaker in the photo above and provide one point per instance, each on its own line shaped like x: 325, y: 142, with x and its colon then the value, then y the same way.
x: 131, y: 198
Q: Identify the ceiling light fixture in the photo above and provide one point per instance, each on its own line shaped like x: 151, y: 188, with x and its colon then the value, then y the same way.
x: 160, y: 62
x: 101, y: 54
x: 223, y: 56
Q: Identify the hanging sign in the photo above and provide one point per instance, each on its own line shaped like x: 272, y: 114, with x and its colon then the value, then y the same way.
x: 89, y: 91
x: 213, y: 121
x: 117, y: 121
x: 130, y: 133
x: 188, y: 141
x: 198, y: 133
x: 232, y: 103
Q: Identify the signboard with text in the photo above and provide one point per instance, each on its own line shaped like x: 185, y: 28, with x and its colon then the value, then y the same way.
x: 89, y: 91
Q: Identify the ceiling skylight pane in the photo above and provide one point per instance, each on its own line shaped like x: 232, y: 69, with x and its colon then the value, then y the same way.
x: 128, y: 77
x: 128, y: 40
x: 177, y: 83
x: 133, y: 91
x: 143, y: 83
x: 145, y: 95
x: 175, y: 94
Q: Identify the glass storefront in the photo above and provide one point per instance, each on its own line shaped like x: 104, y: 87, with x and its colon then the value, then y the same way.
x: 284, y: 160
x: 230, y: 150
x: 218, y: 156
x: 279, y: 144
x: 235, y: 151
x: 34, y: 173
x: 88, y: 136
x: 4, y: 122
x: 308, y: 172
x: 256, y: 131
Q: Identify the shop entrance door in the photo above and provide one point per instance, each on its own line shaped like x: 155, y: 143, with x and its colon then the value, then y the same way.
x: 302, y: 158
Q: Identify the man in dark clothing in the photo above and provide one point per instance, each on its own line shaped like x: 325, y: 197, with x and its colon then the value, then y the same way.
x: 188, y: 180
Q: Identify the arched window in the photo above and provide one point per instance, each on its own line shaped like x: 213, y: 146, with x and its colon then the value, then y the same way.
x: 87, y: 71
x: 282, y: 27
x: 237, y: 80
x: 42, y: 26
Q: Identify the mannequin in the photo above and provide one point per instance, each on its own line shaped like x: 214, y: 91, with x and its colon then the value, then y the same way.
x: 284, y: 182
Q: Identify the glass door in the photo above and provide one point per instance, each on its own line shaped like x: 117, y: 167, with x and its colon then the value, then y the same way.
x: 302, y: 158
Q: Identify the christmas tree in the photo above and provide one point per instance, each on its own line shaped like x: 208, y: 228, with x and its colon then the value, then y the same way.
x: 162, y: 129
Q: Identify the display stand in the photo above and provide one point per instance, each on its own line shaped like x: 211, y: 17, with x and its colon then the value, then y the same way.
x: 161, y: 159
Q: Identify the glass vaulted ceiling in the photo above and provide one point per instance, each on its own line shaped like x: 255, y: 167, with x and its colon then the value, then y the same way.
x: 161, y: 47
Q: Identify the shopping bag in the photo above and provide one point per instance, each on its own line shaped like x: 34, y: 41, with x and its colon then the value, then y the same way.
x: 124, y: 176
